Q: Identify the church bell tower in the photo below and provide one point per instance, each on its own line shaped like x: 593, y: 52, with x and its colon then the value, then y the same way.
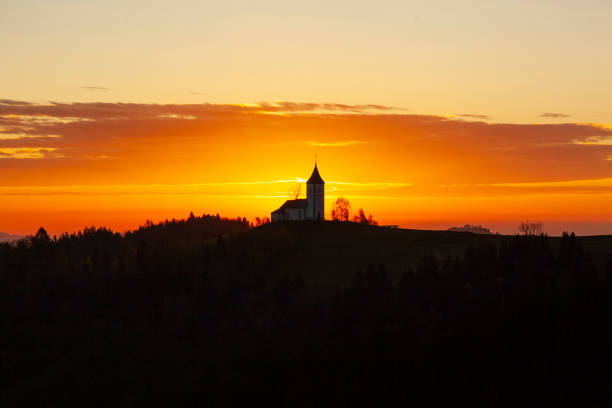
x: 315, y: 192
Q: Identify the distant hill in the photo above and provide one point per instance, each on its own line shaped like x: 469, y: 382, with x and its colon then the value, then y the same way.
x: 4, y: 237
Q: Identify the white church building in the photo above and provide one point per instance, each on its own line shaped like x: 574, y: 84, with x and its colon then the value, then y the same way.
x: 310, y: 208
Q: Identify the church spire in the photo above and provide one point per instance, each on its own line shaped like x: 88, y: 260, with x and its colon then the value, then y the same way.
x: 315, y: 178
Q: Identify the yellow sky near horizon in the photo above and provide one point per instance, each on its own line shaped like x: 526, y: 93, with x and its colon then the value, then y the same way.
x: 65, y: 166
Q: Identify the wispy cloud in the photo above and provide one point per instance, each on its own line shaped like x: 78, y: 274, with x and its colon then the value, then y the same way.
x: 210, y: 189
x: 18, y: 136
x: 176, y: 116
x: 595, y: 140
x: 94, y: 88
x: 100, y: 110
x: 602, y: 182
x: 554, y: 115
x: 38, y: 119
x: 142, y: 139
x: 373, y: 184
x: 298, y: 107
x: 25, y: 152
x: 10, y: 102
x: 334, y: 144
x: 473, y: 116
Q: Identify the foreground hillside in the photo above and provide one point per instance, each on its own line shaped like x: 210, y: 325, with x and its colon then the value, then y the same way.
x: 209, y: 312
x: 331, y: 252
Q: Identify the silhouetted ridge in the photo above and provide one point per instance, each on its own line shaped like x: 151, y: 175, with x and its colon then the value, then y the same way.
x: 203, y: 311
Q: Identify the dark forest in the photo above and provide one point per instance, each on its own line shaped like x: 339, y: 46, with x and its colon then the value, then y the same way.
x: 200, y: 311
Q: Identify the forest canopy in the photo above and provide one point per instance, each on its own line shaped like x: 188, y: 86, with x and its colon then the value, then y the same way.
x: 204, y: 308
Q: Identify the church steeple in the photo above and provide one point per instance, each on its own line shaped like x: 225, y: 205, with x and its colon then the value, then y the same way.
x: 315, y: 177
x: 315, y: 196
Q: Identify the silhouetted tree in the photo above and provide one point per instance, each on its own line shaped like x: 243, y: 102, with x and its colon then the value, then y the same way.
x: 41, y: 235
x: 341, y: 209
x: 361, y: 218
x: 531, y: 228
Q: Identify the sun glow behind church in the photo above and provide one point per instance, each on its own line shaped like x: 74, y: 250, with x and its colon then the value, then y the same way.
x: 118, y: 165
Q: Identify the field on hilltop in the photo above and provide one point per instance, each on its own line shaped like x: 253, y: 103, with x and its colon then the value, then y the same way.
x: 331, y: 252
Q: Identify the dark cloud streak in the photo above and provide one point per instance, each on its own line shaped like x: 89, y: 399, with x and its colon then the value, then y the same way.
x: 554, y: 115
x: 10, y: 102
x: 473, y: 116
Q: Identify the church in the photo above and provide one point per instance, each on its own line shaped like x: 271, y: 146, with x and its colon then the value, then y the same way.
x: 310, y: 208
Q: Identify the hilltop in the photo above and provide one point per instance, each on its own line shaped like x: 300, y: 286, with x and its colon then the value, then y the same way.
x: 331, y: 252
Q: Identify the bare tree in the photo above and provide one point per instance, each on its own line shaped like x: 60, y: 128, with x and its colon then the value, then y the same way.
x: 531, y: 228
x: 341, y: 209
x: 537, y: 228
x: 295, y: 191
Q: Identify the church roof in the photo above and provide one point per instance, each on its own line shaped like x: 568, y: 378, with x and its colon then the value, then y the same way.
x: 315, y: 177
x: 292, y: 204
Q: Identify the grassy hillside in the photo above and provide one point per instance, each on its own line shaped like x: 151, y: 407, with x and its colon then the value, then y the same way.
x: 329, y: 253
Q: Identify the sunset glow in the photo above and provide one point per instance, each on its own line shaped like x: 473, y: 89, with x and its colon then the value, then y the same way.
x: 413, y: 113
x: 121, y: 164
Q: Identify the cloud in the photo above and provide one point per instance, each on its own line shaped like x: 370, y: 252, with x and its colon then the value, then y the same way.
x: 175, y: 116
x: 334, y: 144
x: 197, y: 142
x: 473, y: 116
x: 323, y: 107
x: 554, y: 115
x: 40, y: 118
x: 99, y: 110
x: 603, y: 182
x: 25, y: 152
x: 94, y: 88
x: 14, y: 103
x: 20, y: 136
x: 595, y: 140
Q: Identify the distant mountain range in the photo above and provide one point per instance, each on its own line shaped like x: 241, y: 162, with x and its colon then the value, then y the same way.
x: 4, y: 237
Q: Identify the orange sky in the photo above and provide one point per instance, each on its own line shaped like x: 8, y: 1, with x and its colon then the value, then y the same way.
x: 444, y: 112
x: 64, y: 166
